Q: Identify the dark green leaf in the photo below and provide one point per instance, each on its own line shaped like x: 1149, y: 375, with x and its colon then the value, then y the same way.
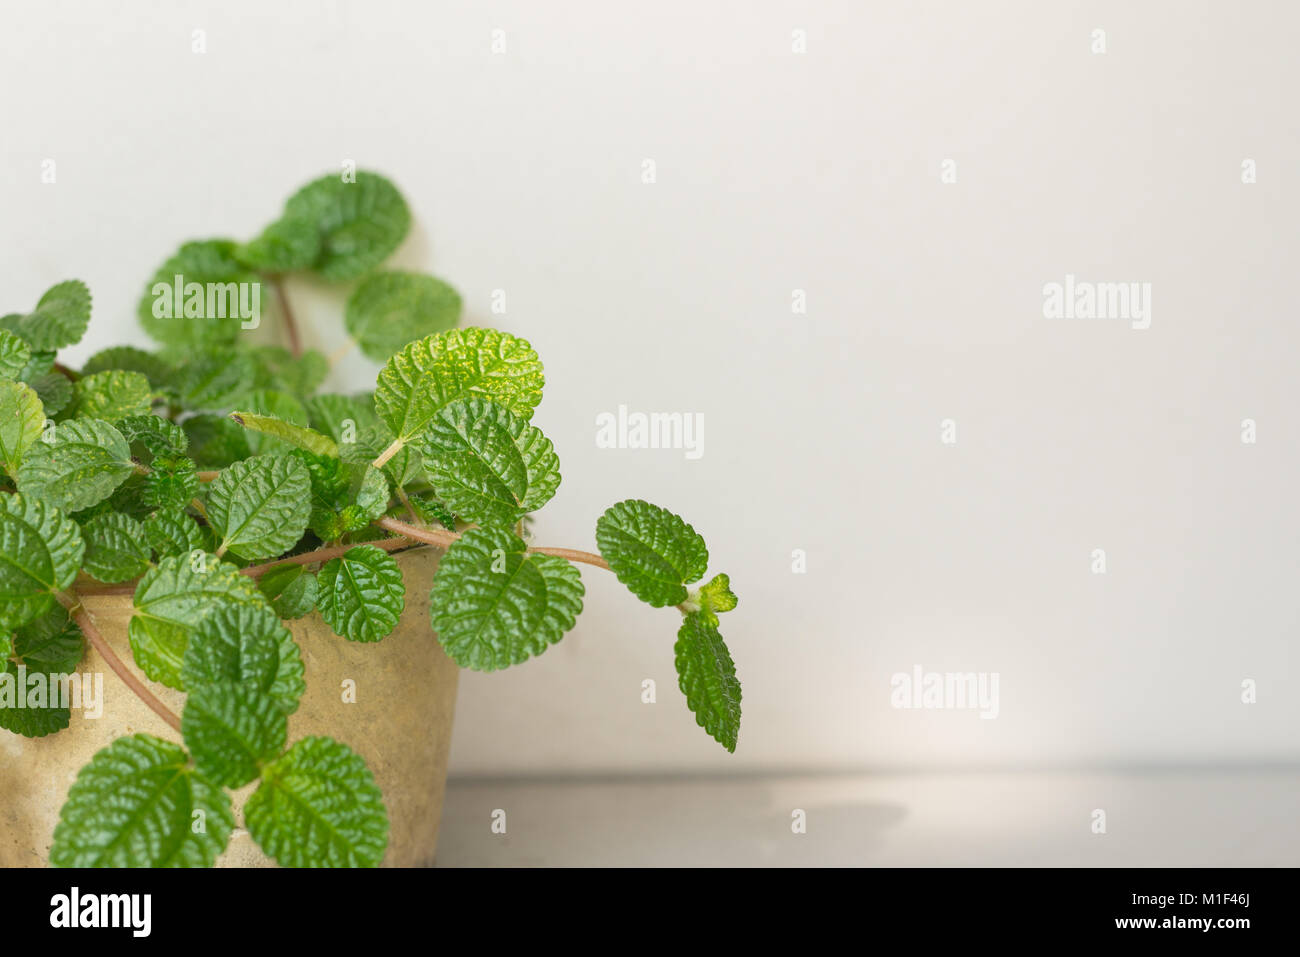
x: 231, y: 729
x: 707, y: 677
x: 116, y: 548
x: 318, y: 806
x: 138, y: 804
x: 361, y: 595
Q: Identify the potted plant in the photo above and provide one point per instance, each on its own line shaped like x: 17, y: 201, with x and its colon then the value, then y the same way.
x: 284, y: 581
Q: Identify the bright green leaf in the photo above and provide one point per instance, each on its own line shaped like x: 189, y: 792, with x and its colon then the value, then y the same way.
x: 15, y: 355
x: 435, y: 371
x: 259, y: 507
x: 111, y: 395
x: 171, y: 600
x: 131, y: 359
x: 21, y: 420
x: 298, y: 436
x: 80, y: 466
x: 278, y: 369
x: 493, y: 604
x: 486, y: 464
x: 155, y: 433
x: 651, y: 550
x: 272, y: 405
x: 714, y: 597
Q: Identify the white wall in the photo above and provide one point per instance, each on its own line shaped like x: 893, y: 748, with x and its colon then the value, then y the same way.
x: 775, y: 172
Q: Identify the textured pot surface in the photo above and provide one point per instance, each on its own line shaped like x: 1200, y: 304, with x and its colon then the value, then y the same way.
x: 405, y: 698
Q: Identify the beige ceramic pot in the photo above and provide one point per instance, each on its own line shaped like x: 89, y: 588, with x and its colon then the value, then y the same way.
x: 405, y: 690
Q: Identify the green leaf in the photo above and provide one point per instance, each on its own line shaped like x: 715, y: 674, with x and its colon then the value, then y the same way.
x: 214, y: 381
x: 42, y: 363
x: 707, y: 676
x: 341, y: 417
x: 278, y: 369
x: 42, y: 653
x: 361, y: 595
x: 431, y: 510
x: 390, y: 309
x: 40, y: 553
x: 116, y: 548
x: 360, y: 223
x: 287, y: 245
x: 272, y: 405
x: 403, y: 467
x: 172, y: 482
x: 52, y: 643
x: 259, y: 507
x: 111, y: 395
x: 59, y: 320
x: 651, y: 550
x: 138, y: 804
x: 232, y: 730
x: 171, y: 600
x: 215, y: 441
x: 210, y: 276
x: 172, y: 532
x: 155, y: 433
x: 487, y: 464
x: 435, y: 371
x: 80, y: 466
x: 344, y: 497
x: 55, y: 391
x: 130, y: 359
x: 15, y: 355
x: 21, y: 420
x: 493, y: 604
x: 290, y: 589
x: 246, y: 645
x: 713, y: 598
x: 318, y: 806
x: 127, y: 499
x: 298, y: 436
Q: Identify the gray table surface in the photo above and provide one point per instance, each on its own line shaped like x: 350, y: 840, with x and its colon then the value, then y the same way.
x: 1174, y: 818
